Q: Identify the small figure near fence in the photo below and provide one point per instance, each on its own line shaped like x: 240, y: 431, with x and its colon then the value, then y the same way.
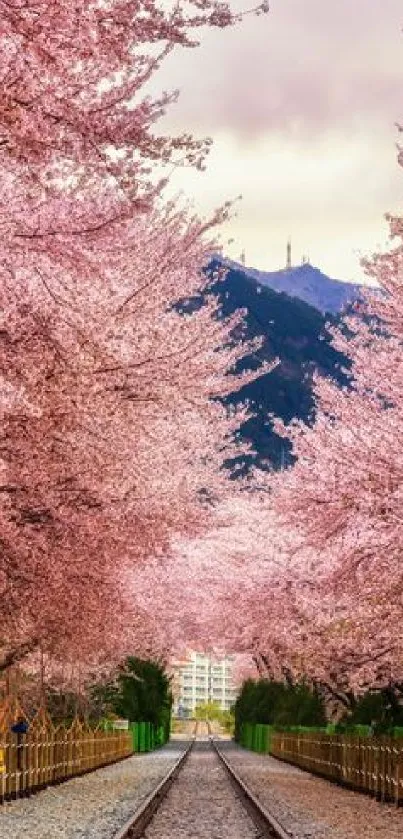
x: 20, y: 727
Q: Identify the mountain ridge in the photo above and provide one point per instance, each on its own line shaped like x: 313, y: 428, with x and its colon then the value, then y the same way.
x: 306, y: 282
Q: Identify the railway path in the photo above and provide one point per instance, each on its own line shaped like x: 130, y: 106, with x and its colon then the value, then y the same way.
x: 202, y: 799
x: 202, y: 803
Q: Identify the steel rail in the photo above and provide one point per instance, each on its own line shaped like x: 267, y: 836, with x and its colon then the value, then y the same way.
x: 136, y: 825
x: 267, y: 823
x: 269, y: 827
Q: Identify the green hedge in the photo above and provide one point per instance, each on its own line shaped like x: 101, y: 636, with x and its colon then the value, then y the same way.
x: 146, y: 736
x: 257, y: 736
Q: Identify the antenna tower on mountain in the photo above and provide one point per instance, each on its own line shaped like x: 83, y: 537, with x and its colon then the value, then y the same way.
x: 242, y: 257
x: 288, y: 265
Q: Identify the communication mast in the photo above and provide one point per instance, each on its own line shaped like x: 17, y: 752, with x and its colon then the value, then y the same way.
x: 288, y: 265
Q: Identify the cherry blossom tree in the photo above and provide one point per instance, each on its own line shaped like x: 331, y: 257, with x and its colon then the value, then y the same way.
x: 113, y: 433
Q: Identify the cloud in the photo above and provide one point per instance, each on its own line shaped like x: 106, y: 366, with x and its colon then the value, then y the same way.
x: 296, y: 71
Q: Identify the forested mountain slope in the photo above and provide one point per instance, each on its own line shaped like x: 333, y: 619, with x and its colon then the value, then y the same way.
x: 294, y: 332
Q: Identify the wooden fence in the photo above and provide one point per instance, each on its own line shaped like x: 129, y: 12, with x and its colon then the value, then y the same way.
x: 47, y: 753
x: 368, y: 764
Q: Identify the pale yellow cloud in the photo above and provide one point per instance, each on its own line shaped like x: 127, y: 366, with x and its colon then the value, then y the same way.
x: 301, y: 106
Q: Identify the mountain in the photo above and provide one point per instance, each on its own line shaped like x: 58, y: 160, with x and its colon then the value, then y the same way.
x: 294, y: 332
x: 305, y: 282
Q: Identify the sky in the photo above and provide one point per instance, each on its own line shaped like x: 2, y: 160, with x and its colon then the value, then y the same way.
x: 302, y: 106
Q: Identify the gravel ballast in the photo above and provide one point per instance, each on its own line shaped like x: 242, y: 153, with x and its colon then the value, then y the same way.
x: 309, y: 807
x: 92, y: 806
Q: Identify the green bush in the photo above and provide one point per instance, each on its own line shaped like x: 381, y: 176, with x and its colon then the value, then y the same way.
x: 376, y: 712
x: 141, y: 692
x: 278, y: 705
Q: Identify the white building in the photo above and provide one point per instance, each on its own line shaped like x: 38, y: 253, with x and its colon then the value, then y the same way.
x: 203, y: 678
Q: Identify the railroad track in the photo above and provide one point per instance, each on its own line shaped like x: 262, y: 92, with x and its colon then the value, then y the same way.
x: 182, y: 800
x: 269, y: 826
x: 136, y: 825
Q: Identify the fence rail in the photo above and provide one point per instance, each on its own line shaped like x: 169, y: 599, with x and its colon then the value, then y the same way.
x: 372, y: 765
x: 45, y: 753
